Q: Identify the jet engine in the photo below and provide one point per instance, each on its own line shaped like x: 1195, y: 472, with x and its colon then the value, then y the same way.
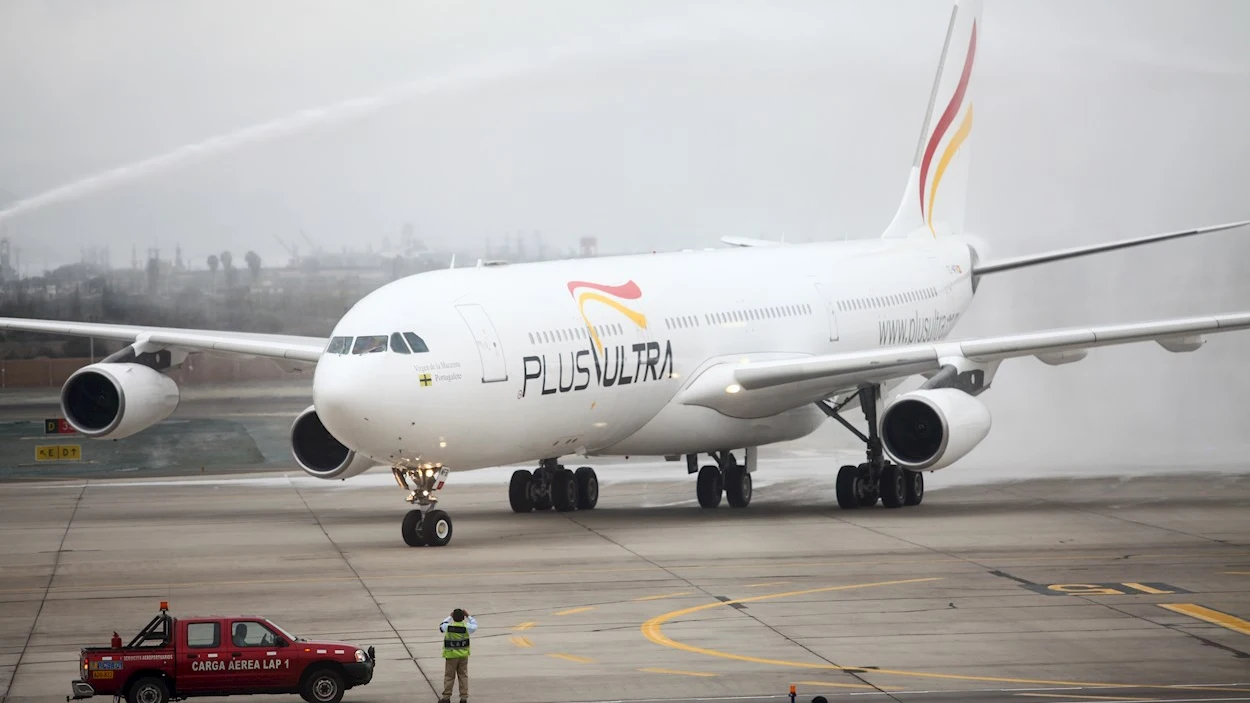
x: 110, y: 400
x: 319, y: 454
x: 932, y: 429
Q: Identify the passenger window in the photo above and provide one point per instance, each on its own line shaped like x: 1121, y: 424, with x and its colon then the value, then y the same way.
x: 417, y: 344
x: 397, y: 344
x: 204, y: 634
x: 339, y: 345
x: 252, y: 634
x: 371, y: 344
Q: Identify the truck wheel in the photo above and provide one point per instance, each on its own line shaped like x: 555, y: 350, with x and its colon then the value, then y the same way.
x: 148, y: 690
x: 323, y: 686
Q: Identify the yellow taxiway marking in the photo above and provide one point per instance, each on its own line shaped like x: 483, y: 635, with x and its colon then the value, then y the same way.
x: 662, y: 596
x: 1238, y: 573
x: 521, y: 641
x: 572, y: 658
x: 1212, y: 616
x: 523, y: 626
x: 770, y: 583
x: 622, y: 570
x: 677, y: 672
x: 843, y: 685
x: 1083, y: 695
x: 652, y: 630
x: 1147, y: 589
x: 574, y: 611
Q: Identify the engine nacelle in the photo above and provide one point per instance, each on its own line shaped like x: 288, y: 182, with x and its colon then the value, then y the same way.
x: 319, y: 454
x: 111, y: 401
x: 932, y: 429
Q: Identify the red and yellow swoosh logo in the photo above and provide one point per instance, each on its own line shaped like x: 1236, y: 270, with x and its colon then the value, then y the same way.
x: 585, y: 291
x: 957, y: 139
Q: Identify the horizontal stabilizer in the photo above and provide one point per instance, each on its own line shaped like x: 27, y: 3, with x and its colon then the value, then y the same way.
x: 749, y: 242
x: 1019, y: 262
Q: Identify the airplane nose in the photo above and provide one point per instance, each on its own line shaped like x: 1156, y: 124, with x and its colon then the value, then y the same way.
x: 338, y: 401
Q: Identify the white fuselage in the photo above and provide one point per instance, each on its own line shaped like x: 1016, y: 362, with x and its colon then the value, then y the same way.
x: 586, y: 356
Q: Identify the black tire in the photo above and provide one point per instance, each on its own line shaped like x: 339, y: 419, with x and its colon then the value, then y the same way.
x: 564, y: 491
x: 866, y: 489
x: 436, y: 528
x: 148, y: 689
x: 411, y: 529
x: 587, y: 488
x: 846, y: 487
x: 541, y: 499
x: 709, y: 486
x: 915, y: 487
x: 893, y: 487
x: 519, y: 491
x: 738, y: 486
x: 322, y: 686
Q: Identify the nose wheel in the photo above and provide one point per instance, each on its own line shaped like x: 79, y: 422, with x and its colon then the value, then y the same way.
x: 424, y: 526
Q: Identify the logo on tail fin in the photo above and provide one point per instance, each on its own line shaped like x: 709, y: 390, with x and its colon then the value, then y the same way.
x: 956, y: 140
x: 596, y: 292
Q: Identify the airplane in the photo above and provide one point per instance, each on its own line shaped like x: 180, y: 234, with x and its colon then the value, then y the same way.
x: 675, y: 354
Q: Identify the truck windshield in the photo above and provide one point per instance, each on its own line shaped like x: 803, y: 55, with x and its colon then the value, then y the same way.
x: 282, y: 631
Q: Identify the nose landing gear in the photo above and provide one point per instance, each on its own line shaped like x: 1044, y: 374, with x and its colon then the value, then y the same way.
x: 424, y: 526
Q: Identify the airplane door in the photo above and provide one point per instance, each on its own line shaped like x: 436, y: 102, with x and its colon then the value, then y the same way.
x: 831, y: 311
x: 489, y: 348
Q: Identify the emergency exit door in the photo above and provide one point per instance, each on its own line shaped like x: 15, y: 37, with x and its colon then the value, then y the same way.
x: 489, y: 348
x: 831, y: 311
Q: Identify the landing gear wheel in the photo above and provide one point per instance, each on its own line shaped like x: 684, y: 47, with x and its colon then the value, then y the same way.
x: 847, y: 477
x: 893, y: 486
x: 540, y: 497
x: 411, y: 529
x: 148, y: 690
x: 519, y: 491
x: 914, y: 483
x: 435, y: 529
x: 587, y: 488
x: 866, y: 490
x: 738, y: 486
x: 564, y: 491
x: 709, y: 486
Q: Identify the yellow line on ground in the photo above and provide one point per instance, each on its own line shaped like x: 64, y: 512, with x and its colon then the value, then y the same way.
x: 572, y: 658
x: 770, y: 583
x: 1238, y: 573
x: 1214, y: 617
x: 521, y: 641
x: 662, y: 596
x: 1146, y: 589
x: 652, y: 630
x: 621, y: 570
x: 677, y: 672
x: 1083, y: 695
x: 843, y: 685
x: 574, y: 611
x: 523, y: 626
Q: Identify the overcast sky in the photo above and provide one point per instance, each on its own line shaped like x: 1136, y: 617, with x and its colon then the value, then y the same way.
x: 670, y: 124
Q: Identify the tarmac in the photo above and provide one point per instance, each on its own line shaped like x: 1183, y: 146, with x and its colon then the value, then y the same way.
x: 1042, y: 590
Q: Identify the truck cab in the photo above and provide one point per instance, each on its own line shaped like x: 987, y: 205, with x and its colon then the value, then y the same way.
x: 215, y: 656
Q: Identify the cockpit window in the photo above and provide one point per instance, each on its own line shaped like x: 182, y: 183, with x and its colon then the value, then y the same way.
x: 397, y: 344
x: 417, y: 344
x: 339, y: 345
x: 370, y: 344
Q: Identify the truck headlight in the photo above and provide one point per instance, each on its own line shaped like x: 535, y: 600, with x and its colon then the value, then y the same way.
x: 360, y: 656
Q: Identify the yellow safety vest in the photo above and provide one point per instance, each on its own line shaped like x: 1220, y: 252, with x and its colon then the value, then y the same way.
x: 456, y: 640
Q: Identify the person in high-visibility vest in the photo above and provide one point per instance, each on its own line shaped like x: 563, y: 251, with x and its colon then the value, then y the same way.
x: 456, y: 630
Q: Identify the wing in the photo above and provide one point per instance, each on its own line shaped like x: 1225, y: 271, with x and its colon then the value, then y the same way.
x: 759, y: 389
x: 251, y: 344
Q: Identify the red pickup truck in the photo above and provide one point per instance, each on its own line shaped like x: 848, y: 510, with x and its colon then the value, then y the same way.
x: 177, y: 658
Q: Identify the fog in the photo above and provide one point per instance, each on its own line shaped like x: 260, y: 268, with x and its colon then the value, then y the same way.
x: 671, y: 124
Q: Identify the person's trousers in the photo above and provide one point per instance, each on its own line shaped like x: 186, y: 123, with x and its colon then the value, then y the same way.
x: 453, y: 669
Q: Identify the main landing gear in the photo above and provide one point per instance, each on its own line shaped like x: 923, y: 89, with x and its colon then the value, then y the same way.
x: 424, y: 526
x: 726, y: 476
x: 553, y: 486
x: 876, y: 479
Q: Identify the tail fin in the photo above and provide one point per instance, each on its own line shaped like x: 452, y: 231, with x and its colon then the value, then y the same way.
x: 937, y: 190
